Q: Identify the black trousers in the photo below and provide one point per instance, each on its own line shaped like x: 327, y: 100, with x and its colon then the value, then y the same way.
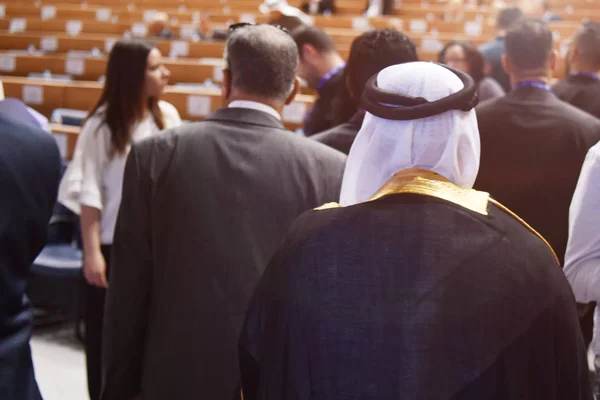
x: 94, y: 319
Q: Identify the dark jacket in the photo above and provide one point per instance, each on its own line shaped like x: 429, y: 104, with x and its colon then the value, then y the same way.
x: 532, y: 149
x: 204, y: 208
x: 324, y: 6
x: 321, y: 116
x: 493, y: 52
x: 342, y: 136
x: 413, y: 297
x: 29, y: 176
x: 581, y: 91
x: 387, y: 9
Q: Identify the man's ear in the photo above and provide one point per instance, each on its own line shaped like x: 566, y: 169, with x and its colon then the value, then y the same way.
x: 226, y: 87
x: 506, y: 64
x: 572, y: 55
x: 294, y: 91
x: 307, y: 52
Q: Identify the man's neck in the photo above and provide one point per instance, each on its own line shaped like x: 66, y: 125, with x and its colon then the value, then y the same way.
x: 531, y: 76
x: 576, y: 68
x: 330, y: 62
x: 276, y: 105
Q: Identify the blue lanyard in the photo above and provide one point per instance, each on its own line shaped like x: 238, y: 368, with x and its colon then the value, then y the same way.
x: 328, y: 76
x: 586, y: 74
x: 537, y: 84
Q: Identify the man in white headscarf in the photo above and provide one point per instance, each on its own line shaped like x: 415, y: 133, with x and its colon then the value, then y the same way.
x: 418, y: 287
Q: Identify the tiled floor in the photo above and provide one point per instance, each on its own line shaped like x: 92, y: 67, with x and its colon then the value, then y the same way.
x: 59, y: 363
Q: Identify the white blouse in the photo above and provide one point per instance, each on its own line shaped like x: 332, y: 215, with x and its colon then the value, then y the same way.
x: 94, y: 178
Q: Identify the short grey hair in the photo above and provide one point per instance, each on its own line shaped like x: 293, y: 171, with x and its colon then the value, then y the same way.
x: 262, y: 60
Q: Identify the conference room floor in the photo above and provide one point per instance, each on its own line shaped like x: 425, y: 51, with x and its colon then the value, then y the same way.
x: 59, y: 362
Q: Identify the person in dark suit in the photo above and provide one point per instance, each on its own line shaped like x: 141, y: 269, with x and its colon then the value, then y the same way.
x: 494, y: 50
x: 546, y: 13
x: 532, y: 143
x: 318, y: 7
x: 370, y: 53
x: 204, y: 208
x: 581, y: 88
x: 322, y: 68
x: 377, y: 8
x: 29, y: 176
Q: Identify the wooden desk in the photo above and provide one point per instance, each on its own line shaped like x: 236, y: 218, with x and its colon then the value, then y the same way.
x: 192, y: 104
x: 69, y: 135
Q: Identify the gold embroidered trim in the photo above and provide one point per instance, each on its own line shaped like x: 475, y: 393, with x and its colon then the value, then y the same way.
x: 428, y: 183
x: 525, y: 224
x: 327, y: 206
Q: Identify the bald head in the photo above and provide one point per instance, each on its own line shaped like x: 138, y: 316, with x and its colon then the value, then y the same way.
x: 587, y: 44
x: 262, y: 61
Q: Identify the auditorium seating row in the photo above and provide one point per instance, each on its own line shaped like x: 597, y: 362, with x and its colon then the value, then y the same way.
x: 60, y: 28
x: 572, y: 10
x: 193, y: 104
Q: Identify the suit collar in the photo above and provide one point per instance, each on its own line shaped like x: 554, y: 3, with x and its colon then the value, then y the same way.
x: 581, y: 78
x: 255, y: 105
x: 530, y: 93
x: 246, y: 116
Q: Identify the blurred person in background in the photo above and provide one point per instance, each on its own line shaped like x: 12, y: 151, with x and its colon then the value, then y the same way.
x: 322, y: 67
x: 581, y: 87
x: 532, y: 143
x: 493, y: 51
x: 370, y: 53
x: 280, y: 13
x: 128, y: 111
x: 466, y: 58
x: 326, y: 7
x: 159, y: 27
x: 377, y: 8
x: 546, y: 13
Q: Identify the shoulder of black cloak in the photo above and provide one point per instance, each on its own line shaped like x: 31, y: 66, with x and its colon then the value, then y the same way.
x: 489, y: 278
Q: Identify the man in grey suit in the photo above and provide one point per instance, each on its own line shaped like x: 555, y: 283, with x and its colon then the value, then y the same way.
x: 204, y: 208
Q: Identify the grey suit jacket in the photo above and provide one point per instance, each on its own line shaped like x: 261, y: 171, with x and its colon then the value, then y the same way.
x: 204, y: 208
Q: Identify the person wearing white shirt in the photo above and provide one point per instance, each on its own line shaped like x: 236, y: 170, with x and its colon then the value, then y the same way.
x: 128, y: 111
x: 582, y: 259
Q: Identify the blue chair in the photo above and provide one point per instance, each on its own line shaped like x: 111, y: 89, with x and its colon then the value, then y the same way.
x: 68, y: 116
x: 59, y: 261
x: 56, y: 283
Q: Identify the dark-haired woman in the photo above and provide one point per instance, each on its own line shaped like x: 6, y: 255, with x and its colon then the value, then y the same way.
x: 466, y: 58
x: 128, y: 110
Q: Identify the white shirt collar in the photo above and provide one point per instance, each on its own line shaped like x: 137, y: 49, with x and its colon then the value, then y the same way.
x: 255, y: 105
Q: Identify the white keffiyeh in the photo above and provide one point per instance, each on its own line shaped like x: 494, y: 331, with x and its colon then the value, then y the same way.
x: 447, y: 143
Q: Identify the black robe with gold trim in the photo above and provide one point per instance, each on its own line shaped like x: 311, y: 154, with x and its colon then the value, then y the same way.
x: 427, y: 292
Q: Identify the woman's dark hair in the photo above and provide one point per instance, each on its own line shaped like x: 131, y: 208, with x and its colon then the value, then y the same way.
x: 473, y: 58
x: 370, y: 53
x: 123, y: 91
